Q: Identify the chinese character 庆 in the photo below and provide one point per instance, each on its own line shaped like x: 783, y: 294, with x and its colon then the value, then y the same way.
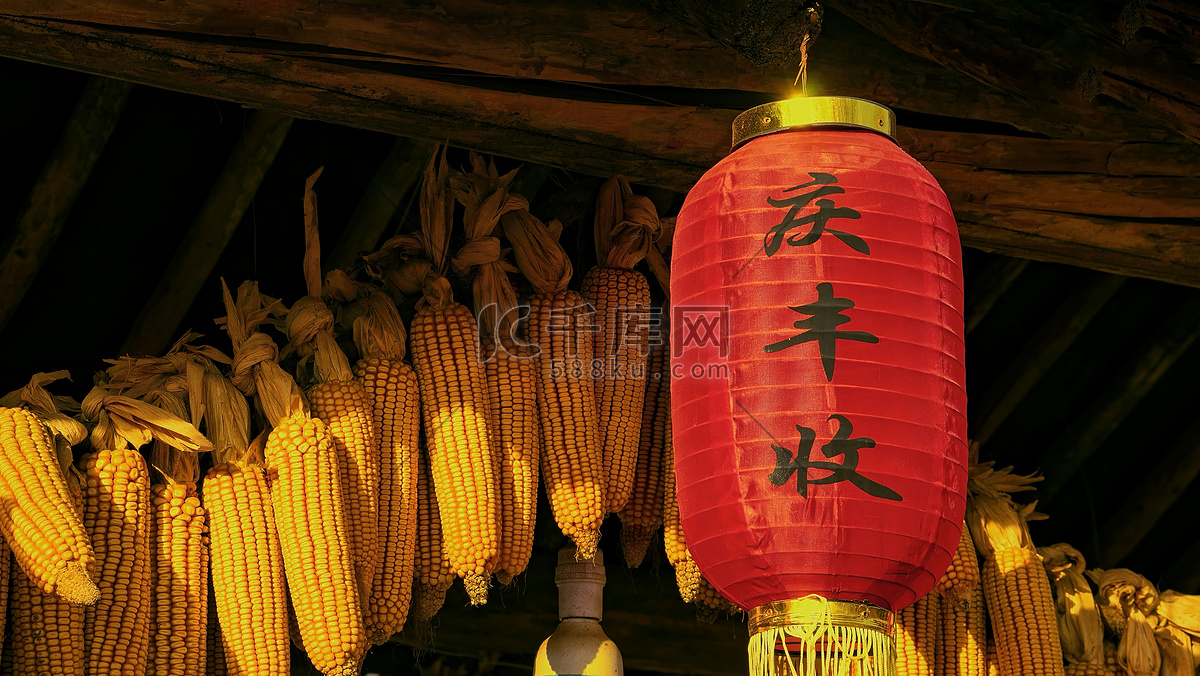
x: 819, y: 219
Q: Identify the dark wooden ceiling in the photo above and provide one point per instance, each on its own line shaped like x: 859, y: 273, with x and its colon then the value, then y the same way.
x: 1086, y: 376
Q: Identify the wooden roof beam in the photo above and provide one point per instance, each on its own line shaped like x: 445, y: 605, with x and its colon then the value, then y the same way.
x: 664, y: 145
x: 1040, y: 52
x: 1154, y: 357
x: 1174, y: 471
x: 205, y: 241
x: 986, y: 288
x: 63, y: 177
x: 1057, y: 334
x: 400, y: 171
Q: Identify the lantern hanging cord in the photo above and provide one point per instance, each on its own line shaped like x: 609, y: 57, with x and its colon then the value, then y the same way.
x: 802, y: 76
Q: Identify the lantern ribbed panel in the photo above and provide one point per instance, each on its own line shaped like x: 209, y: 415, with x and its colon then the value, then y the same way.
x: 759, y: 542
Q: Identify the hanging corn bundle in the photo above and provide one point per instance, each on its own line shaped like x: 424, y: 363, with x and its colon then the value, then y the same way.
x: 560, y: 325
x: 340, y: 402
x: 964, y: 644
x: 626, y: 227
x: 38, y: 519
x: 391, y: 385
x: 642, y: 514
x: 1014, y: 583
x: 215, y: 665
x: 454, y: 403
x: 1127, y: 602
x: 511, y: 376
x: 693, y: 588
x: 433, y: 573
x: 960, y: 579
x: 1079, y: 625
x: 246, y: 558
x: 918, y: 636
x: 47, y: 631
x: 116, y: 514
x: 306, y: 499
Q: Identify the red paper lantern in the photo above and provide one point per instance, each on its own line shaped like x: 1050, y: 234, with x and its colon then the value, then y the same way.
x: 818, y: 391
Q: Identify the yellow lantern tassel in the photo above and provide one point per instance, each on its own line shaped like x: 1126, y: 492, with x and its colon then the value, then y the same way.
x: 815, y: 636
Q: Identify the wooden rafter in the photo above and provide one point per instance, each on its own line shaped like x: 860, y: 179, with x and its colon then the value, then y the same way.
x: 1114, y: 227
x: 989, y: 286
x: 1184, y: 576
x: 400, y: 171
x: 62, y: 178
x: 1041, y: 352
x: 1148, y: 500
x: 205, y: 241
x: 1130, y: 384
x: 1041, y: 51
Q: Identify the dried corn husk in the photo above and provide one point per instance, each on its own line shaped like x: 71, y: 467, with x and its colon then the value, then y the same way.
x: 1127, y: 600
x: 626, y: 225
x: 256, y: 370
x: 1079, y: 625
x: 124, y: 422
x: 1181, y: 610
x: 1175, y: 646
x: 48, y: 407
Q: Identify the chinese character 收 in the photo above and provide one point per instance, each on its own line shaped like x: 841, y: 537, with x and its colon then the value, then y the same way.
x: 819, y: 219
x: 840, y: 445
x: 822, y: 326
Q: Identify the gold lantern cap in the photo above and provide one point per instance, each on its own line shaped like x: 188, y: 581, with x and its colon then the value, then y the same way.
x: 815, y: 111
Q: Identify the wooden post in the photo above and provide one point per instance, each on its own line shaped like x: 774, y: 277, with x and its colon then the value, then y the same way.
x: 400, y: 171
x: 1052, y: 340
x: 201, y: 248
x: 1154, y: 357
x: 62, y: 179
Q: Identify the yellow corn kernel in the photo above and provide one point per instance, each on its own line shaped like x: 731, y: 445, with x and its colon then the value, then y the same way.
x: 306, y: 495
x: 247, y: 571
x: 180, y: 581
x: 559, y: 324
x: 45, y: 532
x: 454, y: 400
x: 512, y: 389
x: 116, y: 514
x: 619, y: 296
x: 917, y: 630
x: 392, y: 388
x: 433, y: 573
x: 1022, y: 613
x: 962, y: 575
x: 642, y: 514
x: 964, y: 636
x: 47, y: 632
x: 346, y: 409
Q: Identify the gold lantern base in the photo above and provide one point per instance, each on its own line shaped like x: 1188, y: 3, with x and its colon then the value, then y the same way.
x: 814, y: 636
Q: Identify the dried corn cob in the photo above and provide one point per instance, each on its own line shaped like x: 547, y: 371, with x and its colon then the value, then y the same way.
x: 214, y: 664
x: 918, y: 637
x: 960, y: 579
x: 1086, y: 669
x: 642, y: 514
x: 626, y: 226
x: 340, y: 402
x: 47, y: 631
x: 179, y: 551
x: 964, y: 637
x: 454, y: 404
x: 993, y: 659
x: 1015, y: 585
x: 116, y: 513
x: 306, y: 498
x: 392, y: 387
x: 5, y: 582
x: 433, y: 573
x: 687, y: 573
x: 45, y: 532
x: 248, y: 584
x: 512, y: 387
x: 560, y: 323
